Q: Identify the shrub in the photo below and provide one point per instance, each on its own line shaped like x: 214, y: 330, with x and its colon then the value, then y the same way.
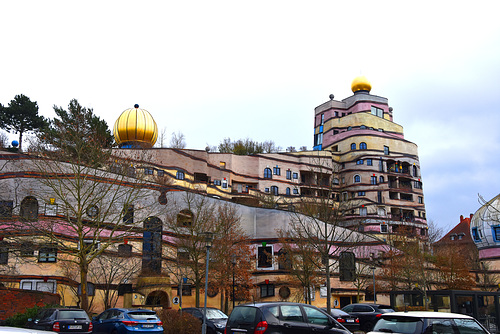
x: 20, y: 319
x: 174, y: 323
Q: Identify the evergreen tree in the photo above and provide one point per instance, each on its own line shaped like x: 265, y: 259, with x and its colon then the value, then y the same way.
x: 21, y: 116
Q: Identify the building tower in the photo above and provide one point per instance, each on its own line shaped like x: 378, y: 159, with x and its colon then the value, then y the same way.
x: 377, y: 165
x: 135, y: 128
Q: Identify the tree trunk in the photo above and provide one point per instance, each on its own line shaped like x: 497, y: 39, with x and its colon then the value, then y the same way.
x: 83, y: 284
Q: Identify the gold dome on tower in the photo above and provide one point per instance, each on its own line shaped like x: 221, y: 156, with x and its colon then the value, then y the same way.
x: 361, y: 83
x: 135, y: 128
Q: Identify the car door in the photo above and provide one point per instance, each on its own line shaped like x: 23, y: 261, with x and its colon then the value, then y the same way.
x: 320, y: 322
x: 43, y: 320
x: 292, y: 320
x: 101, y: 323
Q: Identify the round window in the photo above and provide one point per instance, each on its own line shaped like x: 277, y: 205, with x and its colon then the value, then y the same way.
x: 92, y: 211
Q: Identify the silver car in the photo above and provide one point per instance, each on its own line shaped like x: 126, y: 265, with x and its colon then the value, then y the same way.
x: 427, y: 323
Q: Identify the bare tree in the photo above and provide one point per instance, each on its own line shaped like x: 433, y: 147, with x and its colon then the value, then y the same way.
x: 162, y: 138
x: 178, y: 140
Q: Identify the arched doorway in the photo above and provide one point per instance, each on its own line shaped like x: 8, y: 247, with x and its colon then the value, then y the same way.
x: 29, y: 208
x: 158, y: 298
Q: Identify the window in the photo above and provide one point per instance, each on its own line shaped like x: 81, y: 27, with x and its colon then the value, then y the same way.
x: 92, y: 211
x: 274, y: 190
x: 377, y: 112
x: 276, y: 170
x: 4, y: 253
x: 362, y: 127
x: 39, y: 285
x: 222, y: 164
x: 266, y: 290
x: 288, y: 174
x: 353, y: 146
x: 179, y: 175
x: 381, y: 179
x: 361, y: 193
x: 128, y: 214
x: 357, y: 178
x: 381, y: 165
x: 418, y: 185
x: 217, y: 182
x: 125, y: 249
x: 363, y: 212
x: 266, y: 190
x: 295, y: 191
x: 6, y: 209
x: 383, y: 228
x: 420, y: 200
x: 322, y: 119
x: 415, y: 171
x: 369, y: 162
x: 335, y: 181
x: 152, y: 245
x: 265, y: 257
x: 268, y: 173
x: 475, y: 234
x: 29, y: 208
x: 185, y: 218
x: 291, y: 313
x: 379, y: 197
x: 50, y: 209
x: 359, y: 162
x: 347, y: 266
x: 160, y: 172
x: 373, y: 180
x: 288, y: 190
x: 182, y: 255
x: 496, y: 233
x: 386, y: 150
x: 224, y: 184
x: 284, y: 260
x: 295, y: 176
x: 47, y: 254
x: 315, y: 317
x: 349, y: 128
x: 362, y: 146
x: 148, y: 171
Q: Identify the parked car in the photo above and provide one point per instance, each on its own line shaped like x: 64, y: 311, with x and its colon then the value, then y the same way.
x: 61, y: 320
x: 347, y: 320
x: 127, y: 321
x: 281, y: 318
x: 368, y: 314
x: 216, y: 319
x: 415, y: 322
x: 18, y: 330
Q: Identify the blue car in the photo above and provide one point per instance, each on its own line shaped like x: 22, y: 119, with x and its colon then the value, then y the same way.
x: 127, y: 321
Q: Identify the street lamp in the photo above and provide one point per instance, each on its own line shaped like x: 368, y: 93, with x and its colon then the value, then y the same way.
x: 208, y: 244
x: 374, y: 292
x: 233, y: 261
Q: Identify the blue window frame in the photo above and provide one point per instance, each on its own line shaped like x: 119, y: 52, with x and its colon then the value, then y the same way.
x: 495, y: 231
x: 288, y: 191
x: 268, y: 173
x: 353, y: 146
x: 369, y: 162
x: 288, y: 174
x: 359, y: 162
x: 276, y: 170
x: 357, y: 178
x: 475, y: 234
x: 295, y: 176
x: 362, y: 146
x: 179, y: 175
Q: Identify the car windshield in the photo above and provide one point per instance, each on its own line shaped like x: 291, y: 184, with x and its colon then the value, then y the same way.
x: 213, y: 313
x: 243, y: 315
x: 143, y: 315
x: 399, y: 325
x: 72, y: 314
x: 386, y: 310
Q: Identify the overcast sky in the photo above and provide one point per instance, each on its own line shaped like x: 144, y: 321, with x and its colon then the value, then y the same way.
x: 257, y: 69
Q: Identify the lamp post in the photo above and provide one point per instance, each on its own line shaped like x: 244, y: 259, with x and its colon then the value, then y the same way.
x: 233, y: 262
x: 374, y: 292
x: 208, y: 244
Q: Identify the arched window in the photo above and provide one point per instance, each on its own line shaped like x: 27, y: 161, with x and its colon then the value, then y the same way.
x: 274, y: 190
x: 152, y: 245
x: 381, y: 179
x: 353, y: 146
x: 268, y: 173
x: 29, y: 208
x: 357, y: 178
x: 288, y: 190
x: 179, y: 175
x: 362, y: 146
x: 415, y: 170
x: 185, y: 218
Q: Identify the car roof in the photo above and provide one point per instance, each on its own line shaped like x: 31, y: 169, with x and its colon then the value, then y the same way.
x: 17, y: 330
x: 262, y: 304
x: 427, y: 314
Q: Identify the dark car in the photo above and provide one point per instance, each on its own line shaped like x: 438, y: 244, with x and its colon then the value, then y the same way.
x: 62, y: 320
x: 417, y: 322
x: 281, y: 318
x: 127, y: 321
x: 216, y: 319
x: 347, y: 320
x: 368, y: 314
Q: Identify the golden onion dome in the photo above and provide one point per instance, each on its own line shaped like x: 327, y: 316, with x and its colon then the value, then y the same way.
x: 135, y: 126
x: 361, y: 83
